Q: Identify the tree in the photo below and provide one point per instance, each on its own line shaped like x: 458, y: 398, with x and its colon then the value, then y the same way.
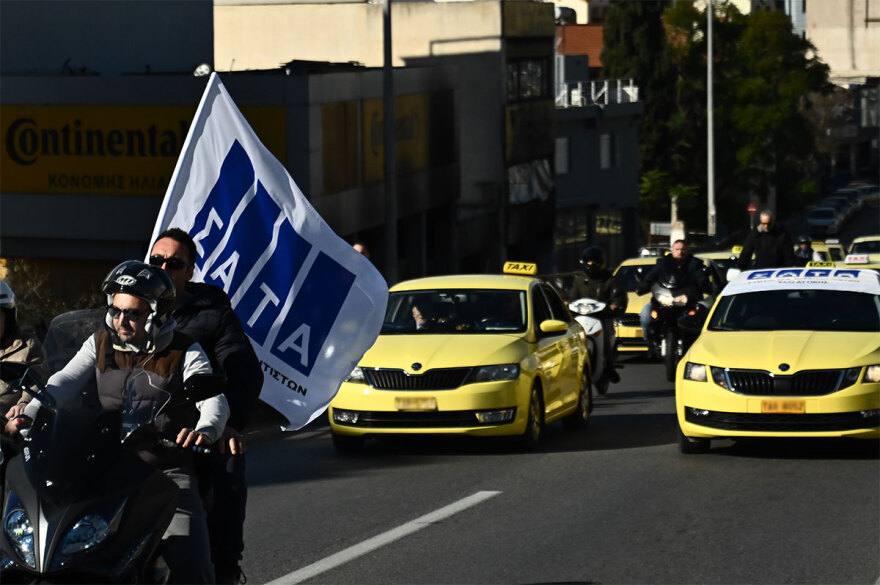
x: 765, y: 80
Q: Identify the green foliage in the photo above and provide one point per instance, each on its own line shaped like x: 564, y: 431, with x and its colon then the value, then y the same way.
x: 766, y: 83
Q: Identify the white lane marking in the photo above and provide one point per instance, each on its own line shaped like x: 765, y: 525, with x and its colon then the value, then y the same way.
x: 381, y: 540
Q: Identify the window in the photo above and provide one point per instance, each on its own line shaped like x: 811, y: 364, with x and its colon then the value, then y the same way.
x: 607, y: 151
x: 528, y: 79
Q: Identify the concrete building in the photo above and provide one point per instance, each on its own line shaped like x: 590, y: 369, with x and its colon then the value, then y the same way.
x: 503, y: 54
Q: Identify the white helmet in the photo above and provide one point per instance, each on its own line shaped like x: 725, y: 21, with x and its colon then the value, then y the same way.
x: 7, y: 297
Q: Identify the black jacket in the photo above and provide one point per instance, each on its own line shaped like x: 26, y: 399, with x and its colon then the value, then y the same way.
x: 772, y: 249
x: 206, y: 316
x: 688, y: 273
x: 603, y: 287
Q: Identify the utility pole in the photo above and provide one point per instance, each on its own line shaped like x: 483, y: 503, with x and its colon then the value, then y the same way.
x: 388, y: 140
x: 710, y: 161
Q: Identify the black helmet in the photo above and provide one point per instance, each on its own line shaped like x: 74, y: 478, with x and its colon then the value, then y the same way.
x: 595, y: 255
x: 149, y: 283
x: 803, y: 239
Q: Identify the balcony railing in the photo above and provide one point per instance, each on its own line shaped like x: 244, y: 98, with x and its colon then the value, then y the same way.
x: 602, y: 93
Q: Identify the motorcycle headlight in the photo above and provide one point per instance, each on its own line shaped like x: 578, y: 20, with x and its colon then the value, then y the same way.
x: 85, y: 534
x: 680, y: 300
x: 20, y: 533
x: 356, y: 376
x: 695, y: 372
x: 495, y: 373
x: 872, y: 374
x: 664, y: 299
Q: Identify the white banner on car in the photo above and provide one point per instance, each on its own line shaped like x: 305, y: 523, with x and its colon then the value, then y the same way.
x: 310, y: 303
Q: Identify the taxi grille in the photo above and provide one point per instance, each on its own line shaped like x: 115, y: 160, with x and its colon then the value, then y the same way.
x: 805, y: 383
x: 438, y: 379
x: 794, y: 423
x: 629, y: 320
x: 420, y: 420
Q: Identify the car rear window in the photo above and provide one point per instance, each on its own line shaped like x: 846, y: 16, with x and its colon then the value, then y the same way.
x: 798, y: 310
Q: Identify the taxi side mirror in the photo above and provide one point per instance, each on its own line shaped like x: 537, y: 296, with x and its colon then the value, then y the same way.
x: 551, y: 326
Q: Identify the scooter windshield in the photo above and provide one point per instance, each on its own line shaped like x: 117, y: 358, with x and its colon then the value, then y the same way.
x: 142, y: 401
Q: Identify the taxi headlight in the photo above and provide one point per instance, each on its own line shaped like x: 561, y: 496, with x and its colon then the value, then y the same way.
x: 872, y: 374
x: 356, y: 376
x: 495, y: 373
x: 695, y: 372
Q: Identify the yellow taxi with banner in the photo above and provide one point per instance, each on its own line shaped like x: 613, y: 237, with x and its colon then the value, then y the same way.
x: 787, y: 352
x: 485, y: 355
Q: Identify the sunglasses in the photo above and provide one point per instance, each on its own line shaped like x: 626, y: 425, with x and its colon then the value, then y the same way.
x: 129, y: 314
x: 172, y: 262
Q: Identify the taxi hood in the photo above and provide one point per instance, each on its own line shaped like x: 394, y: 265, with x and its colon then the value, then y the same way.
x: 801, y: 350
x: 443, y: 351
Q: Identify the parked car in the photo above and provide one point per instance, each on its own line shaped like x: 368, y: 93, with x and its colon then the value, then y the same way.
x: 823, y: 220
x: 842, y: 204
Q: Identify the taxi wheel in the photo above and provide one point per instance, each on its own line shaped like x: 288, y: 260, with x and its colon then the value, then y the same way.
x: 348, y: 444
x: 535, y: 422
x: 690, y: 445
x: 581, y: 416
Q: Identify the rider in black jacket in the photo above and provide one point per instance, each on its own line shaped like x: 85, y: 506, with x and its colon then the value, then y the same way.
x: 678, y: 266
x: 770, y: 243
x: 599, y: 283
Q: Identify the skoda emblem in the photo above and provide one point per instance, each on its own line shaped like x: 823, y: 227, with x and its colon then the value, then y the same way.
x: 416, y: 367
x: 784, y: 367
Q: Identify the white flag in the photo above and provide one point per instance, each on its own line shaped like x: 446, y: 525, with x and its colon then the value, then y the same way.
x: 310, y: 303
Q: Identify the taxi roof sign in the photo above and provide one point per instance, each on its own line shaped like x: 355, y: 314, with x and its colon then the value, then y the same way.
x: 846, y: 279
x: 823, y: 264
x: 736, y: 249
x: 527, y: 268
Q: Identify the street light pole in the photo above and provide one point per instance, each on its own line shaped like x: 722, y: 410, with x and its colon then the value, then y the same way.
x: 388, y: 141
x: 710, y: 160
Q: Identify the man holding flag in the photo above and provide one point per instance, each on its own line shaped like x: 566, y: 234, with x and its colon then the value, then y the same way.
x: 310, y: 304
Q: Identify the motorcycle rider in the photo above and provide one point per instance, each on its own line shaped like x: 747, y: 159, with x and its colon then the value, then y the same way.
x: 599, y: 283
x: 204, y: 313
x: 14, y: 347
x: 687, y: 272
x: 804, y: 252
x: 139, y: 336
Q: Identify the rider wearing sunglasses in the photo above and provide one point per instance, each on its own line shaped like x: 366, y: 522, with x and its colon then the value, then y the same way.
x: 203, y: 313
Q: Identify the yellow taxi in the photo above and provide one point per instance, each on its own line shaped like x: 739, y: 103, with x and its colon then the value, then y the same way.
x: 829, y: 251
x: 864, y: 252
x: 627, y: 327
x: 485, y: 355
x: 787, y: 352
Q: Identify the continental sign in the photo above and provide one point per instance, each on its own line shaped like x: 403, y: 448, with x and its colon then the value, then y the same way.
x: 105, y: 149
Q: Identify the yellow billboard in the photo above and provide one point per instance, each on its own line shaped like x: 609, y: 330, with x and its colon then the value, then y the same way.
x: 410, y: 136
x: 119, y: 150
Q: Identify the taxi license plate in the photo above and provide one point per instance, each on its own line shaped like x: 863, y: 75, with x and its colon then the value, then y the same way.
x: 411, y: 403
x: 784, y: 406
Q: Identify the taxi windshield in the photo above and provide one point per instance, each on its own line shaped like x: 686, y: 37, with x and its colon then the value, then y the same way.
x: 626, y: 276
x: 797, y: 310
x: 455, y: 311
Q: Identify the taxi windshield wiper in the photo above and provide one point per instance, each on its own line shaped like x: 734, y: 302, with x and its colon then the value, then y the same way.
x: 723, y: 328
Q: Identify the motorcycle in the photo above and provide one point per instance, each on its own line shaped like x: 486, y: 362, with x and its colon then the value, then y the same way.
x: 666, y: 338
x: 588, y: 313
x: 80, y: 504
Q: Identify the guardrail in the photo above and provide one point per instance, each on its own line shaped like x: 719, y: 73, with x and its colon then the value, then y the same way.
x: 602, y: 93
